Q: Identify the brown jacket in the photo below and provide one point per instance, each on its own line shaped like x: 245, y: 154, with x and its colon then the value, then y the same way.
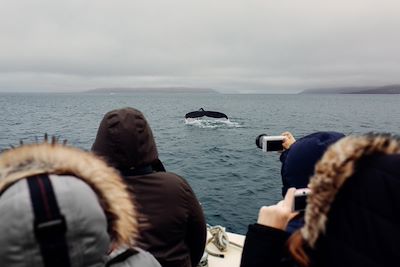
x: 173, y: 225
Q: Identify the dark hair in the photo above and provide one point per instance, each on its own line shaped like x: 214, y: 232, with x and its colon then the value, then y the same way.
x: 296, y: 246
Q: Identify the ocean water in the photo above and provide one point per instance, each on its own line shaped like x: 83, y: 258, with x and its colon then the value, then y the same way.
x: 230, y: 175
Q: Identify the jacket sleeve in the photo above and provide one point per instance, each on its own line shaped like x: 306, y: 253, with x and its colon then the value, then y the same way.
x: 265, y: 246
x: 283, y: 156
x: 197, y: 230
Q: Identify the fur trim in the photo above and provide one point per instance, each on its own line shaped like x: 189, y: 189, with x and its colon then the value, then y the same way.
x: 28, y: 160
x: 336, y: 165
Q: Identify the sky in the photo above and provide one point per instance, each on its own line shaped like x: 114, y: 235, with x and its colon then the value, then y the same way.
x: 233, y: 46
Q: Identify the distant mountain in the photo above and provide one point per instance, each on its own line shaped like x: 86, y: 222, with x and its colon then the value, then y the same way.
x: 151, y: 90
x: 387, y: 89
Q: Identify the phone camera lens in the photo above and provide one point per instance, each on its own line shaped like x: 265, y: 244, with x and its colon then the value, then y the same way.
x: 258, y: 140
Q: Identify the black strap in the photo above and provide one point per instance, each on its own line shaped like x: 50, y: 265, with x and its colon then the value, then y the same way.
x: 49, y: 224
x: 122, y: 257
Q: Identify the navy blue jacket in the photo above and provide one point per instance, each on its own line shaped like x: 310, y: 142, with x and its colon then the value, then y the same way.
x: 299, y: 160
x: 298, y: 164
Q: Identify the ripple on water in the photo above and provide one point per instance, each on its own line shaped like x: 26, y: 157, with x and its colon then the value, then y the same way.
x: 231, y: 177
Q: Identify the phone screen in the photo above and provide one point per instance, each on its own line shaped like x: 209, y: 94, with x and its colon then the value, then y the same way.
x: 300, y: 203
x: 274, y: 145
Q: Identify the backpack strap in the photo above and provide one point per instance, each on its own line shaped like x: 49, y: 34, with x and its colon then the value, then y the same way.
x: 122, y: 256
x: 49, y: 224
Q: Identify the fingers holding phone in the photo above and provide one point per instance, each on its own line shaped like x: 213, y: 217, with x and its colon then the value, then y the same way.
x: 278, y: 215
x: 288, y: 140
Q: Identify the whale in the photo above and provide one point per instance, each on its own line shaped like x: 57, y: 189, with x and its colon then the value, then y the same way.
x: 205, y: 113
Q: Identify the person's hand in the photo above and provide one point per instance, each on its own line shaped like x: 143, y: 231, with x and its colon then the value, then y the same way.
x: 288, y: 141
x: 279, y: 215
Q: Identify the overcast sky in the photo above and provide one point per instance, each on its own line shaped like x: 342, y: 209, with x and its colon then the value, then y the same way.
x: 228, y: 45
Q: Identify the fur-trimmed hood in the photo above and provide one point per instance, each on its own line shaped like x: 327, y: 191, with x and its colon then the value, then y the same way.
x: 27, y: 160
x: 336, y: 166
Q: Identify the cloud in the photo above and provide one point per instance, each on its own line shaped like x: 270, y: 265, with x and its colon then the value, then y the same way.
x: 231, y: 45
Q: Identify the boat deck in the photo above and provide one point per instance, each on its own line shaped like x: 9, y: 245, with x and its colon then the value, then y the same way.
x: 231, y: 257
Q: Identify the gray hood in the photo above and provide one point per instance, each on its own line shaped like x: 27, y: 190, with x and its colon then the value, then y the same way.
x: 90, y: 195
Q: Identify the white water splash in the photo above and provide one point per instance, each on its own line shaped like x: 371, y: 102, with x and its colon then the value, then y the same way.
x: 212, y: 123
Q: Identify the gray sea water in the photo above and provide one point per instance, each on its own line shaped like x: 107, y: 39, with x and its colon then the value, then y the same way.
x: 230, y: 175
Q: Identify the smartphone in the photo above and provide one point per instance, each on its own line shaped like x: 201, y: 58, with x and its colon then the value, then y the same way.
x: 272, y: 143
x: 300, y: 199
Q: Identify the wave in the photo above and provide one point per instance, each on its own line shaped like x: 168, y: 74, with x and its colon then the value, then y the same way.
x: 212, y: 123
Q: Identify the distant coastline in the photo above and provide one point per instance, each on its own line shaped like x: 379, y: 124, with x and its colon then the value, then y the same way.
x: 387, y: 89
x: 125, y: 90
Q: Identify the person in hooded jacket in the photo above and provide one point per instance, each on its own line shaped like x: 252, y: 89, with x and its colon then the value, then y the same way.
x: 298, y: 160
x: 300, y: 156
x: 352, y: 215
x: 64, y: 207
x: 174, y: 228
